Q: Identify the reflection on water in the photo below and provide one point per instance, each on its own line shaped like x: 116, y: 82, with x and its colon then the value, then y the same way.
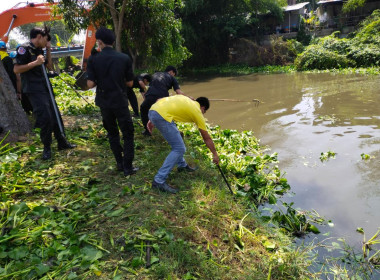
x: 302, y: 116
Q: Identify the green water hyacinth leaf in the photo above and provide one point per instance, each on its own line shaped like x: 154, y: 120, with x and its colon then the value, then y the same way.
x: 313, y: 229
x: 116, y: 213
x: 42, y: 269
x: 269, y: 245
x: 136, y: 262
x: 360, y: 230
x: 8, y: 158
x: 272, y: 199
x: 154, y: 259
x: 91, y: 254
x: 18, y: 209
x: 18, y: 253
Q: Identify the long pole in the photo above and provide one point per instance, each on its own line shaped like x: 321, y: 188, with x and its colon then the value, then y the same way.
x: 256, y: 101
x: 53, y: 101
x: 225, y: 180
x: 75, y: 91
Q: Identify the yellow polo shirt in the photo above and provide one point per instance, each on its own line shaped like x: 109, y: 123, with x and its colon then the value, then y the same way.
x: 180, y: 108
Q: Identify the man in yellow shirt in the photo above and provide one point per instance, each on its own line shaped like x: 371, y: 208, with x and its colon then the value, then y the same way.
x: 163, y: 115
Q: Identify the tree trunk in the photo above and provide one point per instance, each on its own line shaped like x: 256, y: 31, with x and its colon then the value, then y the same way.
x: 12, y: 116
x: 117, y: 18
x: 133, y: 56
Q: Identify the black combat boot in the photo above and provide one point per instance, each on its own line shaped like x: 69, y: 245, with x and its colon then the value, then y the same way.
x: 46, y: 154
x: 63, y: 144
x: 130, y: 171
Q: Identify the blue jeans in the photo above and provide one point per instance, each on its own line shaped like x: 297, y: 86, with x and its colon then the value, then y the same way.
x: 171, y: 134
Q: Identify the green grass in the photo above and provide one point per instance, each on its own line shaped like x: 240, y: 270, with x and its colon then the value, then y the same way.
x: 76, y: 217
x: 240, y: 69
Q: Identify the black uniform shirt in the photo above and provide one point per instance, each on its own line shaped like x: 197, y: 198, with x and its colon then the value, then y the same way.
x: 8, y: 65
x: 110, y: 70
x: 161, y: 83
x: 33, y: 81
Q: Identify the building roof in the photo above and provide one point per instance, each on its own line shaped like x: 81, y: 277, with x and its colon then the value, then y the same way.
x: 328, y: 1
x: 295, y: 7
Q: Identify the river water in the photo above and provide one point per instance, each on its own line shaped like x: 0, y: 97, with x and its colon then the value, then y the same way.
x: 301, y: 116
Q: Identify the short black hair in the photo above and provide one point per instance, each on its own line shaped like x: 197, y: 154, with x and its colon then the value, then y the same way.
x: 105, y: 35
x: 204, y: 102
x: 38, y: 30
x: 171, y: 68
x: 147, y: 77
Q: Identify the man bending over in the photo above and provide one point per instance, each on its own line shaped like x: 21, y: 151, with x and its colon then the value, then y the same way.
x: 163, y: 115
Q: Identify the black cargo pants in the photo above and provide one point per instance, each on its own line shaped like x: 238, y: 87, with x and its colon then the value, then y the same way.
x: 46, y: 118
x: 113, y: 119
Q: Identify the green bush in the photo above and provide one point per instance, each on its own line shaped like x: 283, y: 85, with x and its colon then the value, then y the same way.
x: 333, y: 43
x: 294, y: 47
x: 317, y: 57
x: 365, y: 55
x: 361, y: 50
x: 369, y: 31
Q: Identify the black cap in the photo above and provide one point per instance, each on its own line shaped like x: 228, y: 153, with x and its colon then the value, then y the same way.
x: 105, y: 35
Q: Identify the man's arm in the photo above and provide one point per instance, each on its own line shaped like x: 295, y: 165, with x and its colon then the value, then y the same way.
x: 210, y: 144
x: 90, y: 84
x: 49, y: 64
x: 142, y: 85
x: 21, y: 68
x: 179, y: 91
x: 150, y: 126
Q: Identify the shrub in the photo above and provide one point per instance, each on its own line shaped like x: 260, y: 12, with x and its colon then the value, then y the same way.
x: 317, y: 57
x: 365, y: 55
x: 333, y: 43
x: 294, y: 47
x: 369, y: 33
x: 360, y: 50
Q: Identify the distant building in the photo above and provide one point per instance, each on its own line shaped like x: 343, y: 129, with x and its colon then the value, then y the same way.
x: 292, y: 14
x: 330, y: 13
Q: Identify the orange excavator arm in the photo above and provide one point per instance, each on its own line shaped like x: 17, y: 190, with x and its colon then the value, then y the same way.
x: 31, y: 13
x: 23, y: 15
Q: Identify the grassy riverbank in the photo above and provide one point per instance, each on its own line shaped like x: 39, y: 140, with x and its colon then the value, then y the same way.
x: 240, y: 69
x: 76, y: 217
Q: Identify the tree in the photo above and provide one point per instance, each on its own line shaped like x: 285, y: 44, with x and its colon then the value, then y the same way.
x: 352, y: 5
x: 209, y: 25
x: 61, y: 35
x: 12, y: 117
x: 147, y: 29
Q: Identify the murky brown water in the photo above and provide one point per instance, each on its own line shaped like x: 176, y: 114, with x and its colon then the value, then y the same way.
x: 301, y: 116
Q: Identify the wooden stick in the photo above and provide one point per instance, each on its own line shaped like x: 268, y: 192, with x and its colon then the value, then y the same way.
x: 256, y: 101
x: 236, y: 100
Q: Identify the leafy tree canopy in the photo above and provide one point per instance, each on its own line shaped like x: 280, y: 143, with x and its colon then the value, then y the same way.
x: 208, y: 25
x: 352, y: 5
x: 147, y: 29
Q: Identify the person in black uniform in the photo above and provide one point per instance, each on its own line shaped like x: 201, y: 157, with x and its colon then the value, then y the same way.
x: 25, y: 103
x: 158, y: 88
x: 8, y: 64
x: 140, y: 82
x: 111, y: 72
x: 29, y: 60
